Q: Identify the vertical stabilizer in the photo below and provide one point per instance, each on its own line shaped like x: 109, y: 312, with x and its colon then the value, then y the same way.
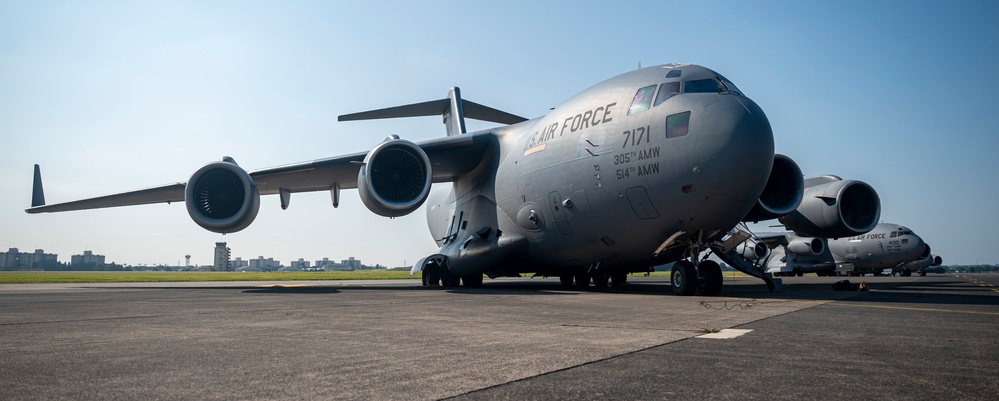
x: 454, y: 118
x: 37, y: 195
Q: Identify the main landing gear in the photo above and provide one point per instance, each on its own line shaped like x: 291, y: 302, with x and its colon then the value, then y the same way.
x: 436, y: 273
x: 687, y: 279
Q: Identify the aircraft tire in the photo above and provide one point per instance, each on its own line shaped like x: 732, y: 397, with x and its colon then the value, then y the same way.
x: 431, y: 276
x: 600, y: 279
x: 565, y: 280
x: 582, y: 280
x: 683, y: 278
x: 473, y: 281
x: 619, y: 279
x: 709, y: 281
x: 922, y: 274
x: 450, y: 280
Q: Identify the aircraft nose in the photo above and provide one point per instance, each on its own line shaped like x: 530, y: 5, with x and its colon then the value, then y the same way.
x: 736, y: 146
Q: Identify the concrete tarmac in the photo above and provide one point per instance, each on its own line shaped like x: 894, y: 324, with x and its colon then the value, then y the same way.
x: 908, y: 338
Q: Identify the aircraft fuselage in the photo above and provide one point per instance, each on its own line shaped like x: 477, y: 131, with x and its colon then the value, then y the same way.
x: 611, y: 173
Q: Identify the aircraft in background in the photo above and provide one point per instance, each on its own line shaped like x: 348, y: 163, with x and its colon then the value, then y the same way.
x: 928, y: 263
x: 887, y: 246
x: 653, y: 166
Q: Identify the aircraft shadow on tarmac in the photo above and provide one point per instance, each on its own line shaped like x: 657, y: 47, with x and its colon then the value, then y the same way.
x: 943, y: 290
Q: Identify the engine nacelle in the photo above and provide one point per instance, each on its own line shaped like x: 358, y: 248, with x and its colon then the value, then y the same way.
x: 926, y: 251
x: 807, y: 246
x: 936, y: 260
x: 395, y: 178
x: 834, y: 208
x: 783, y: 191
x: 221, y: 197
x: 752, y: 250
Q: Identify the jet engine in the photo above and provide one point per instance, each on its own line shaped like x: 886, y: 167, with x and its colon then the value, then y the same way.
x: 936, y: 260
x: 783, y: 191
x: 395, y: 178
x: 752, y: 250
x: 806, y: 246
x: 221, y: 197
x: 926, y: 252
x: 834, y: 208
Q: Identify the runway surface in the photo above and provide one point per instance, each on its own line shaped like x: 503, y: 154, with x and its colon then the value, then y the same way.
x: 926, y: 338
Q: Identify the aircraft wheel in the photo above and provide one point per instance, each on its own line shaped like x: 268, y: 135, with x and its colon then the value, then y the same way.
x: 922, y: 274
x: 600, y: 279
x: 582, y: 280
x: 450, y: 280
x: 474, y: 280
x: 906, y: 273
x: 619, y: 279
x: 709, y: 280
x: 431, y: 275
x: 566, y: 280
x: 683, y: 278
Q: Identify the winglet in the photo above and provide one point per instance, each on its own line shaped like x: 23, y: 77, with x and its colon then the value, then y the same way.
x: 37, y: 194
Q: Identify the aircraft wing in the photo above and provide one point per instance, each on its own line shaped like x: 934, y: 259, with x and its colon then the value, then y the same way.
x: 450, y: 157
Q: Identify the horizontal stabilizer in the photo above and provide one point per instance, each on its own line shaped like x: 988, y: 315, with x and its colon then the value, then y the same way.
x: 436, y: 108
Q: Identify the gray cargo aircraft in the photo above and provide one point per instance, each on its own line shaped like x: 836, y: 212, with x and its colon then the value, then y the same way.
x: 887, y: 246
x: 653, y: 166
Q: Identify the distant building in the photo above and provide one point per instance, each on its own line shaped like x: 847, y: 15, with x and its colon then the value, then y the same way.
x: 14, y: 259
x: 348, y: 264
x: 300, y: 264
x: 238, y: 263
x: 221, y: 257
x: 264, y: 264
x: 87, y: 259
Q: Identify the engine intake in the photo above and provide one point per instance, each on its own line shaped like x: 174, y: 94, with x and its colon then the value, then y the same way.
x: 783, y: 191
x: 835, y: 208
x: 221, y: 197
x: 395, y: 178
x: 807, y: 246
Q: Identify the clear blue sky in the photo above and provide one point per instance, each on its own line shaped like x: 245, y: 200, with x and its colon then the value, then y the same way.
x: 114, y: 96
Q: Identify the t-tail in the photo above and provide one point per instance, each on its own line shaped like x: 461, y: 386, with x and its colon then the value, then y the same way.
x: 454, y: 109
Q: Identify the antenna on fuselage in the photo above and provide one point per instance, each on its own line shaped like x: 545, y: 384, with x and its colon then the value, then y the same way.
x: 639, y: 64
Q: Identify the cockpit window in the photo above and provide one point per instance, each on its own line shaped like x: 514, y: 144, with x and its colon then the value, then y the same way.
x: 730, y: 86
x: 673, y: 74
x: 643, y: 100
x: 677, y: 124
x: 702, y: 86
x: 667, y: 90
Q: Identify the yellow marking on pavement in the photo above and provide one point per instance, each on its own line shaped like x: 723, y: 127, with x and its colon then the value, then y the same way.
x: 917, y: 309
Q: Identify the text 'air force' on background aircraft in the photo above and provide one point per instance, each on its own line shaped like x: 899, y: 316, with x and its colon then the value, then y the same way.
x: 658, y: 165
